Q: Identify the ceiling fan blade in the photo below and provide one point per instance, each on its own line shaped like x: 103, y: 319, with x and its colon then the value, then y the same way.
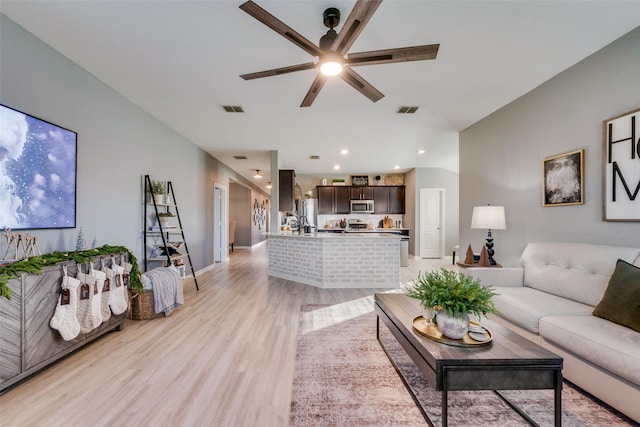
x: 278, y: 71
x: 280, y: 27
x: 360, y: 84
x: 387, y: 56
x: 355, y: 23
x: 314, y: 90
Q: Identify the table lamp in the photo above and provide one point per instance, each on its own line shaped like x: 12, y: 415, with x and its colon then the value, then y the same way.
x: 489, y: 217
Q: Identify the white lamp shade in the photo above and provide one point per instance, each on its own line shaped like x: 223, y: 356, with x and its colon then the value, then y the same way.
x: 488, y: 217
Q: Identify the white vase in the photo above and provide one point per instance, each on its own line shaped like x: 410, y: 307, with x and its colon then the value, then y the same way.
x: 159, y: 198
x: 454, y: 327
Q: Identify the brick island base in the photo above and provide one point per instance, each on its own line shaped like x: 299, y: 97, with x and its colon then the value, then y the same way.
x: 336, y: 260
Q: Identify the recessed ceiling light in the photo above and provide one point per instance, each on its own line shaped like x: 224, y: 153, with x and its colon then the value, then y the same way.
x: 336, y: 167
x: 344, y: 151
x: 257, y: 174
x: 269, y: 184
x: 396, y: 167
x: 420, y: 151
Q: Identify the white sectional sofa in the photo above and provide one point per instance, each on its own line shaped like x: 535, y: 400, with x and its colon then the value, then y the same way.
x: 550, y: 300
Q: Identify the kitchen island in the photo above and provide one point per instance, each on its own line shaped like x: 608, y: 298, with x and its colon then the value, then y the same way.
x: 336, y: 260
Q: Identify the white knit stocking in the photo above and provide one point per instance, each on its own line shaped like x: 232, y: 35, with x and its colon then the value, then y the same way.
x: 64, y: 319
x: 85, y: 305
x: 119, y: 296
x: 126, y: 274
x: 106, y: 293
x: 96, y: 304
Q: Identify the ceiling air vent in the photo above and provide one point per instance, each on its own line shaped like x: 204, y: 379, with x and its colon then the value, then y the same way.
x: 240, y: 157
x: 314, y: 157
x: 233, y: 109
x: 406, y: 110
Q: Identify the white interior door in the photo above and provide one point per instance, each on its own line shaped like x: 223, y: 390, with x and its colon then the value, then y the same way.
x: 219, y: 229
x: 431, y: 223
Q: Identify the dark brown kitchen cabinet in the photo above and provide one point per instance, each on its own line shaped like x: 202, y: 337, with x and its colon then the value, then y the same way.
x: 326, y: 200
x: 381, y: 200
x: 337, y: 199
x: 333, y: 200
x: 396, y: 200
x: 343, y: 200
x: 286, y: 193
x: 362, y: 193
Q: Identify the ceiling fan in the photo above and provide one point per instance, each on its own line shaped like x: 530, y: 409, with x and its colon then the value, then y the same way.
x: 334, y: 46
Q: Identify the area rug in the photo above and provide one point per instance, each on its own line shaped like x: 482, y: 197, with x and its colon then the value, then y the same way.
x: 343, y: 378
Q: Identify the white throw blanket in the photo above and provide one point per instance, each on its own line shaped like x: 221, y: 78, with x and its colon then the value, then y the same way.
x: 167, y: 289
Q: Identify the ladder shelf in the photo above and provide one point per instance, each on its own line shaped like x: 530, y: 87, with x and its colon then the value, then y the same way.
x: 169, y: 239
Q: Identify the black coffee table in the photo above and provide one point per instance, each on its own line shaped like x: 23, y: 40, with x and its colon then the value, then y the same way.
x: 508, y: 362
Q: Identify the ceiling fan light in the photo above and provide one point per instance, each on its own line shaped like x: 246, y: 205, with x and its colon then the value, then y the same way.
x: 331, y: 68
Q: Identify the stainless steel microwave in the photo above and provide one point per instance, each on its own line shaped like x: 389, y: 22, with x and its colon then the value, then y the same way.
x: 362, y: 206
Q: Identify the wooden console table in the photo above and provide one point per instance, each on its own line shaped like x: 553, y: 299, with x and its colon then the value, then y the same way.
x: 509, y: 362
x: 27, y: 342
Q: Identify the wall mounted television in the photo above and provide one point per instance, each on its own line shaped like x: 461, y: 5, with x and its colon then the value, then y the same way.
x: 38, y: 162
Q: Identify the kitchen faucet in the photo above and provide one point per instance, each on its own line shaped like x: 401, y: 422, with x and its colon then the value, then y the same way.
x: 302, y: 225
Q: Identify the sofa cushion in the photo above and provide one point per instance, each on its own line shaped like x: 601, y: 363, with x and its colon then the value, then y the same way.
x: 525, y: 306
x: 621, y: 300
x: 611, y: 346
x: 578, y: 271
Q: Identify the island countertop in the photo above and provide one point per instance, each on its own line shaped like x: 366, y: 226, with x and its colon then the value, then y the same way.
x: 347, y: 235
x: 400, y: 230
x: 336, y: 260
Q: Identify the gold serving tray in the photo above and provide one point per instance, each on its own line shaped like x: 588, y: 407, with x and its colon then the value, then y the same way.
x: 433, y: 332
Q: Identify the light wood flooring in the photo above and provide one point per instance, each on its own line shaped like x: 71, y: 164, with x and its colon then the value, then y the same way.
x: 225, y: 358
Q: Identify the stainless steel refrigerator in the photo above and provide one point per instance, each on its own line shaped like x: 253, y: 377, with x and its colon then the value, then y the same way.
x: 309, y: 209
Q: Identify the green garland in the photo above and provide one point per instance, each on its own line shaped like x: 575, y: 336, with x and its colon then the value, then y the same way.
x: 34, y: 265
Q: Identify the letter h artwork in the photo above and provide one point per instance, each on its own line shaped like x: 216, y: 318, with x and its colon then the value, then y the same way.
x: 622, y: 167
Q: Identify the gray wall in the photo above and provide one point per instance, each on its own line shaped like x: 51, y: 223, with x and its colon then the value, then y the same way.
x: 240, y: 211
x: 117, y: 144
x: 501, y: 156
x: 432, y: 178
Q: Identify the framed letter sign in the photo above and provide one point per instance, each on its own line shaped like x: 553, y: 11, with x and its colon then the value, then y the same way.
x: 621, y: 176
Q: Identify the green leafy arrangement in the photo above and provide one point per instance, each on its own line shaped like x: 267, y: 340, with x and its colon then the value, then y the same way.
x: 34, y: 265
x: 452, y: 292
x: 158, y: 187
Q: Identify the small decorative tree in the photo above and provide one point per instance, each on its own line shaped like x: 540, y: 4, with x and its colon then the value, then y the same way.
x: 80, y: 242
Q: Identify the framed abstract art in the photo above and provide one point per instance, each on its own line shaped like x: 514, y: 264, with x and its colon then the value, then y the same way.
x: 563, y: 179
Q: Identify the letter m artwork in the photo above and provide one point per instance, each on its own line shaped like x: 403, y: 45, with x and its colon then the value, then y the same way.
x: 622, y: 167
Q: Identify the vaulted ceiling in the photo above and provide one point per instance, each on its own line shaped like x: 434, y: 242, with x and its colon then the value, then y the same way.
x: 181, y: 60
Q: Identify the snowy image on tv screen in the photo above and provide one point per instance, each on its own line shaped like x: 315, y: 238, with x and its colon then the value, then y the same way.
x: 37, y: 173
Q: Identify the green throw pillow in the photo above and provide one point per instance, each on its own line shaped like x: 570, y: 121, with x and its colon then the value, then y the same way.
x: 621, y: 300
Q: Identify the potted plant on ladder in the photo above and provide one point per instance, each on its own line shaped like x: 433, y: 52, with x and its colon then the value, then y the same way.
x: 158, y: 190
x: 165, y: 218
